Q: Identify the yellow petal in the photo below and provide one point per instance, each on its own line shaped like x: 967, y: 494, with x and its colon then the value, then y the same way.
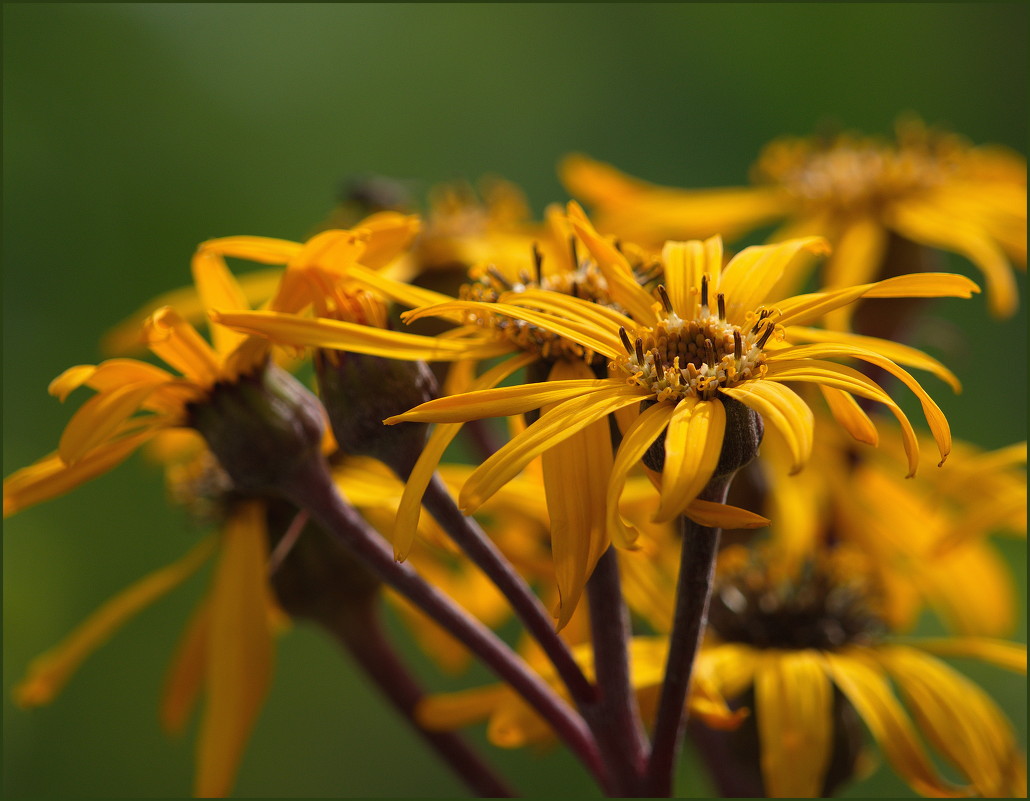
x: 601, y: 340
x: 562, y: 421
x: 389, y: 234
x: 108, y: 375
x: 51, y: 477
x: 852, y: 417
x: 570, y: 307
x: 794, y: 713
x: 185, y: 676
x: 49, y: 672
x: 958, y: 718
x: 410, y: 506
x: 857, y: 258
x: 576, y: 471
x: 750, y: 277
x: 239, y: 651
x: 178, y: 344
x: 98, y: 419
x: 924, y: 224
x: 449, y: 711
x: 398, y: 291
x: 218, y: 289
x: 870, y: 694
x: 613, y: 265
x: 895, y: 351
x: 500, y: 402
x: 692, y: 447
x: 684, y: 266
x: 338, y: 335
x: 934, y: 416
x: 722, y: 515
x: 635, y: 443
x: 783, y: 409
x: 264, y: 249
x: 1008, y: 655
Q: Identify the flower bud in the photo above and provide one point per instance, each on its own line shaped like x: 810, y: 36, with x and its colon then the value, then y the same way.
x: 744, y: 430
x: 262, y: 428
x: 360, y: 391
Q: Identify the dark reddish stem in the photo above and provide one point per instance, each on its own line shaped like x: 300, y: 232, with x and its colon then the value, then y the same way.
x: 616, y: 716
x: 693, y: 590
x: 359, y: 630
x: 312, y: 489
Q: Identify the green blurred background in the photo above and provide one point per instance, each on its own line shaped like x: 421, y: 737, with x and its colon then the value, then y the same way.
x: 132, y: 132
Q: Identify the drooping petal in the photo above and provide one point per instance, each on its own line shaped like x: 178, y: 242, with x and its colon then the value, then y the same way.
x: 780, y: 407
x: 576, y: 471
x: 895, y: 351
x: 857, y: 253
x: 563, y: 421
x: 1008, y: 655
x: 449, y: 711
x: 51, y: 477
x: 410, y: 505
x: 635, y: 443
x: 263, y: 249
x: 960, y: 719
x: 185, y: 677
x: 339, y: 335
x: 870, y: 694
x: 852, y: 417
x: 389, y: 234
x: 722, y: 515
x: 98, y: 419
x: 50, y: 671
x: 399, y: 291
x: 239, y: 651
x: 692, y: 447
x: 794, y: 713
x: 570, y: 307
x: 934, y: 416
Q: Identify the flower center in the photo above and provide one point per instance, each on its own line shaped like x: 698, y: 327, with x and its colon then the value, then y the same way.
x: 584, y: 281
x: 827, y: 605
x: 853, y: 174
x: 679, y: 358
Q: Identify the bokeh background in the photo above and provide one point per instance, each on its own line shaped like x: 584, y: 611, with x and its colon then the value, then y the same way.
x: 134, y: 131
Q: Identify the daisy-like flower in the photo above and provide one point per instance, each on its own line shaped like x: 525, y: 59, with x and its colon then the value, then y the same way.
x: 927, y: 536
x: 706, y: 340
x: 807, y: 652
x: 862, y: 193
x: 484, y: 328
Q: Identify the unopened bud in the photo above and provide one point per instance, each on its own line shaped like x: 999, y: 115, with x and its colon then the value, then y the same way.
x: 360, y: 391
x: 262, y: 428
x: 744, y: 430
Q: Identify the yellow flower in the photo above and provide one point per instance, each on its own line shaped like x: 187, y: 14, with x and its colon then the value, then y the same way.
x: 805, y: 650
x: 513, y: 724
x: 552, y: 264
x: 926, y: 187
x: 708, y: 342
x: 926, y: 536
x: 225, y: 652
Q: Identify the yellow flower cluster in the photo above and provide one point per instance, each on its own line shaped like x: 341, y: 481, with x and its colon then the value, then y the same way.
x: 619, y: 380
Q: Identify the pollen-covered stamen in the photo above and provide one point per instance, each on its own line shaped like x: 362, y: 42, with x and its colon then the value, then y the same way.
x: 677, y: 358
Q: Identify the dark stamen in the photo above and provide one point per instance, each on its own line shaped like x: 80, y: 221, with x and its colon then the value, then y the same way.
x: 572, y: 250
x: 625, y: 339
x: 498, y: 277
x: 704, y: 290
x: 738, y: 345
x: 710, y: 353
x: 769, y: 327
x: 761, y: 316
x: 721, y: 300
x: 639, y: 347
x: 617, y: 244
x: 538, y: 261
x: 524, y: 277
x: 665, y: 299
x: 574, y: 289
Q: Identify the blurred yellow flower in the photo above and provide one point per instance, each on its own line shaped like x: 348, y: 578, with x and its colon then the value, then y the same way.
x: 927, y: 187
